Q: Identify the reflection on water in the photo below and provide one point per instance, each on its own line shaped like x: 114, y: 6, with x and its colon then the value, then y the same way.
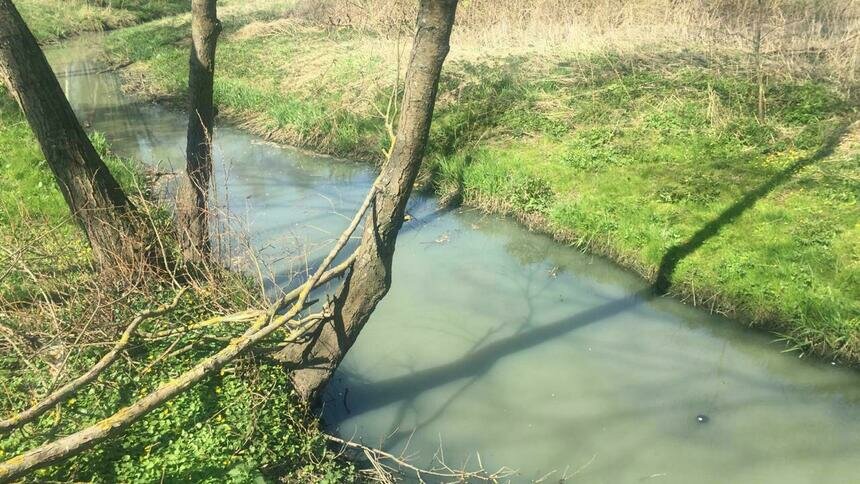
x: 499, y: 341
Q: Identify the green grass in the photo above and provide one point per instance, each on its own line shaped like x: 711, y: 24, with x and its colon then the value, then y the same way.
x: 27, y: 187
x: 243, y: 425
x: 240, y: 426
x: 53, y: 20
x: 26, y: 182
x: 623, y: 154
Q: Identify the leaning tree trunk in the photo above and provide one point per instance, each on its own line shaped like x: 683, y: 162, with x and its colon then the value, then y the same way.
x: 95, y: 199
x: 370, y: 277
x: 193, y: 194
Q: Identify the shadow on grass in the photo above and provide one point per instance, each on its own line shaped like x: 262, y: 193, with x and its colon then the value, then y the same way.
x: 674, y: 255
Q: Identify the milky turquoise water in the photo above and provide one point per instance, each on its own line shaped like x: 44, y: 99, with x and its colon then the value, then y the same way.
x: 498, y: 342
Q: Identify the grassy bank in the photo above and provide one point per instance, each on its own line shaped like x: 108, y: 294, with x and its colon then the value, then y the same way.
x: 652, y: 154
x: 53, y: 20
x: 58, y: 316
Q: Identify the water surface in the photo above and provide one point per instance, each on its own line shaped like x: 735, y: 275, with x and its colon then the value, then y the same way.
x: 499, y: 342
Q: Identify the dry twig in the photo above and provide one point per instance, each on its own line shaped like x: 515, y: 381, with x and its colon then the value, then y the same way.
x: 265, y: 325
x: 376, y: 456
x: 66, y: 391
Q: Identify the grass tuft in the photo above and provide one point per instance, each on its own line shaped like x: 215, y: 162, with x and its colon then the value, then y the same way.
x: 53, y: 20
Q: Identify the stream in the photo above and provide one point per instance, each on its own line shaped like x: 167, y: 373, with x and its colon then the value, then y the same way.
x: 500, y: 346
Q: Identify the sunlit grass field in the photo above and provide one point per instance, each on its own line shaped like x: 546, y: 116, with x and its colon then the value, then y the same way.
x: 52, y: 20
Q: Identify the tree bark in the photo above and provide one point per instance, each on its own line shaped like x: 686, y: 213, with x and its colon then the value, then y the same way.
x: 193, y: 194
x: 759, y: 70
x: 370, y: 278
x: 93, y: 195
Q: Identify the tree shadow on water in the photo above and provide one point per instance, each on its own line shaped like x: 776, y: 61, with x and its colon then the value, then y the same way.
x: 281, y: 281
x: 368, y: 396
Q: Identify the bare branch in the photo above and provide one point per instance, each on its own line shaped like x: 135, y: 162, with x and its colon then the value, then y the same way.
x: 113, y: 425
x: 376, y: 455
x: 66, y: 391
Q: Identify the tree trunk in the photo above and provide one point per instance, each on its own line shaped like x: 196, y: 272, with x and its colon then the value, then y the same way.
x: 193, y: 194
x: 370, y: 277
x: 95, y: 199
x: 759, y: 71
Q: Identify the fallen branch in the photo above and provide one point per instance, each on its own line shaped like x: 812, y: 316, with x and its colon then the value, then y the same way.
x: 240, y: 317
x: 113, y: 425
x: 66, y: 391
x: 375, y: 455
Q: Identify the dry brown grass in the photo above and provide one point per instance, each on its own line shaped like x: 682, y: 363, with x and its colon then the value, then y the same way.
x: 797, y: 34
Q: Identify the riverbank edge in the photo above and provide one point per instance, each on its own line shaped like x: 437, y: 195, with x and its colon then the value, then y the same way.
x: 134, y: 83
x: 105, y: 24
